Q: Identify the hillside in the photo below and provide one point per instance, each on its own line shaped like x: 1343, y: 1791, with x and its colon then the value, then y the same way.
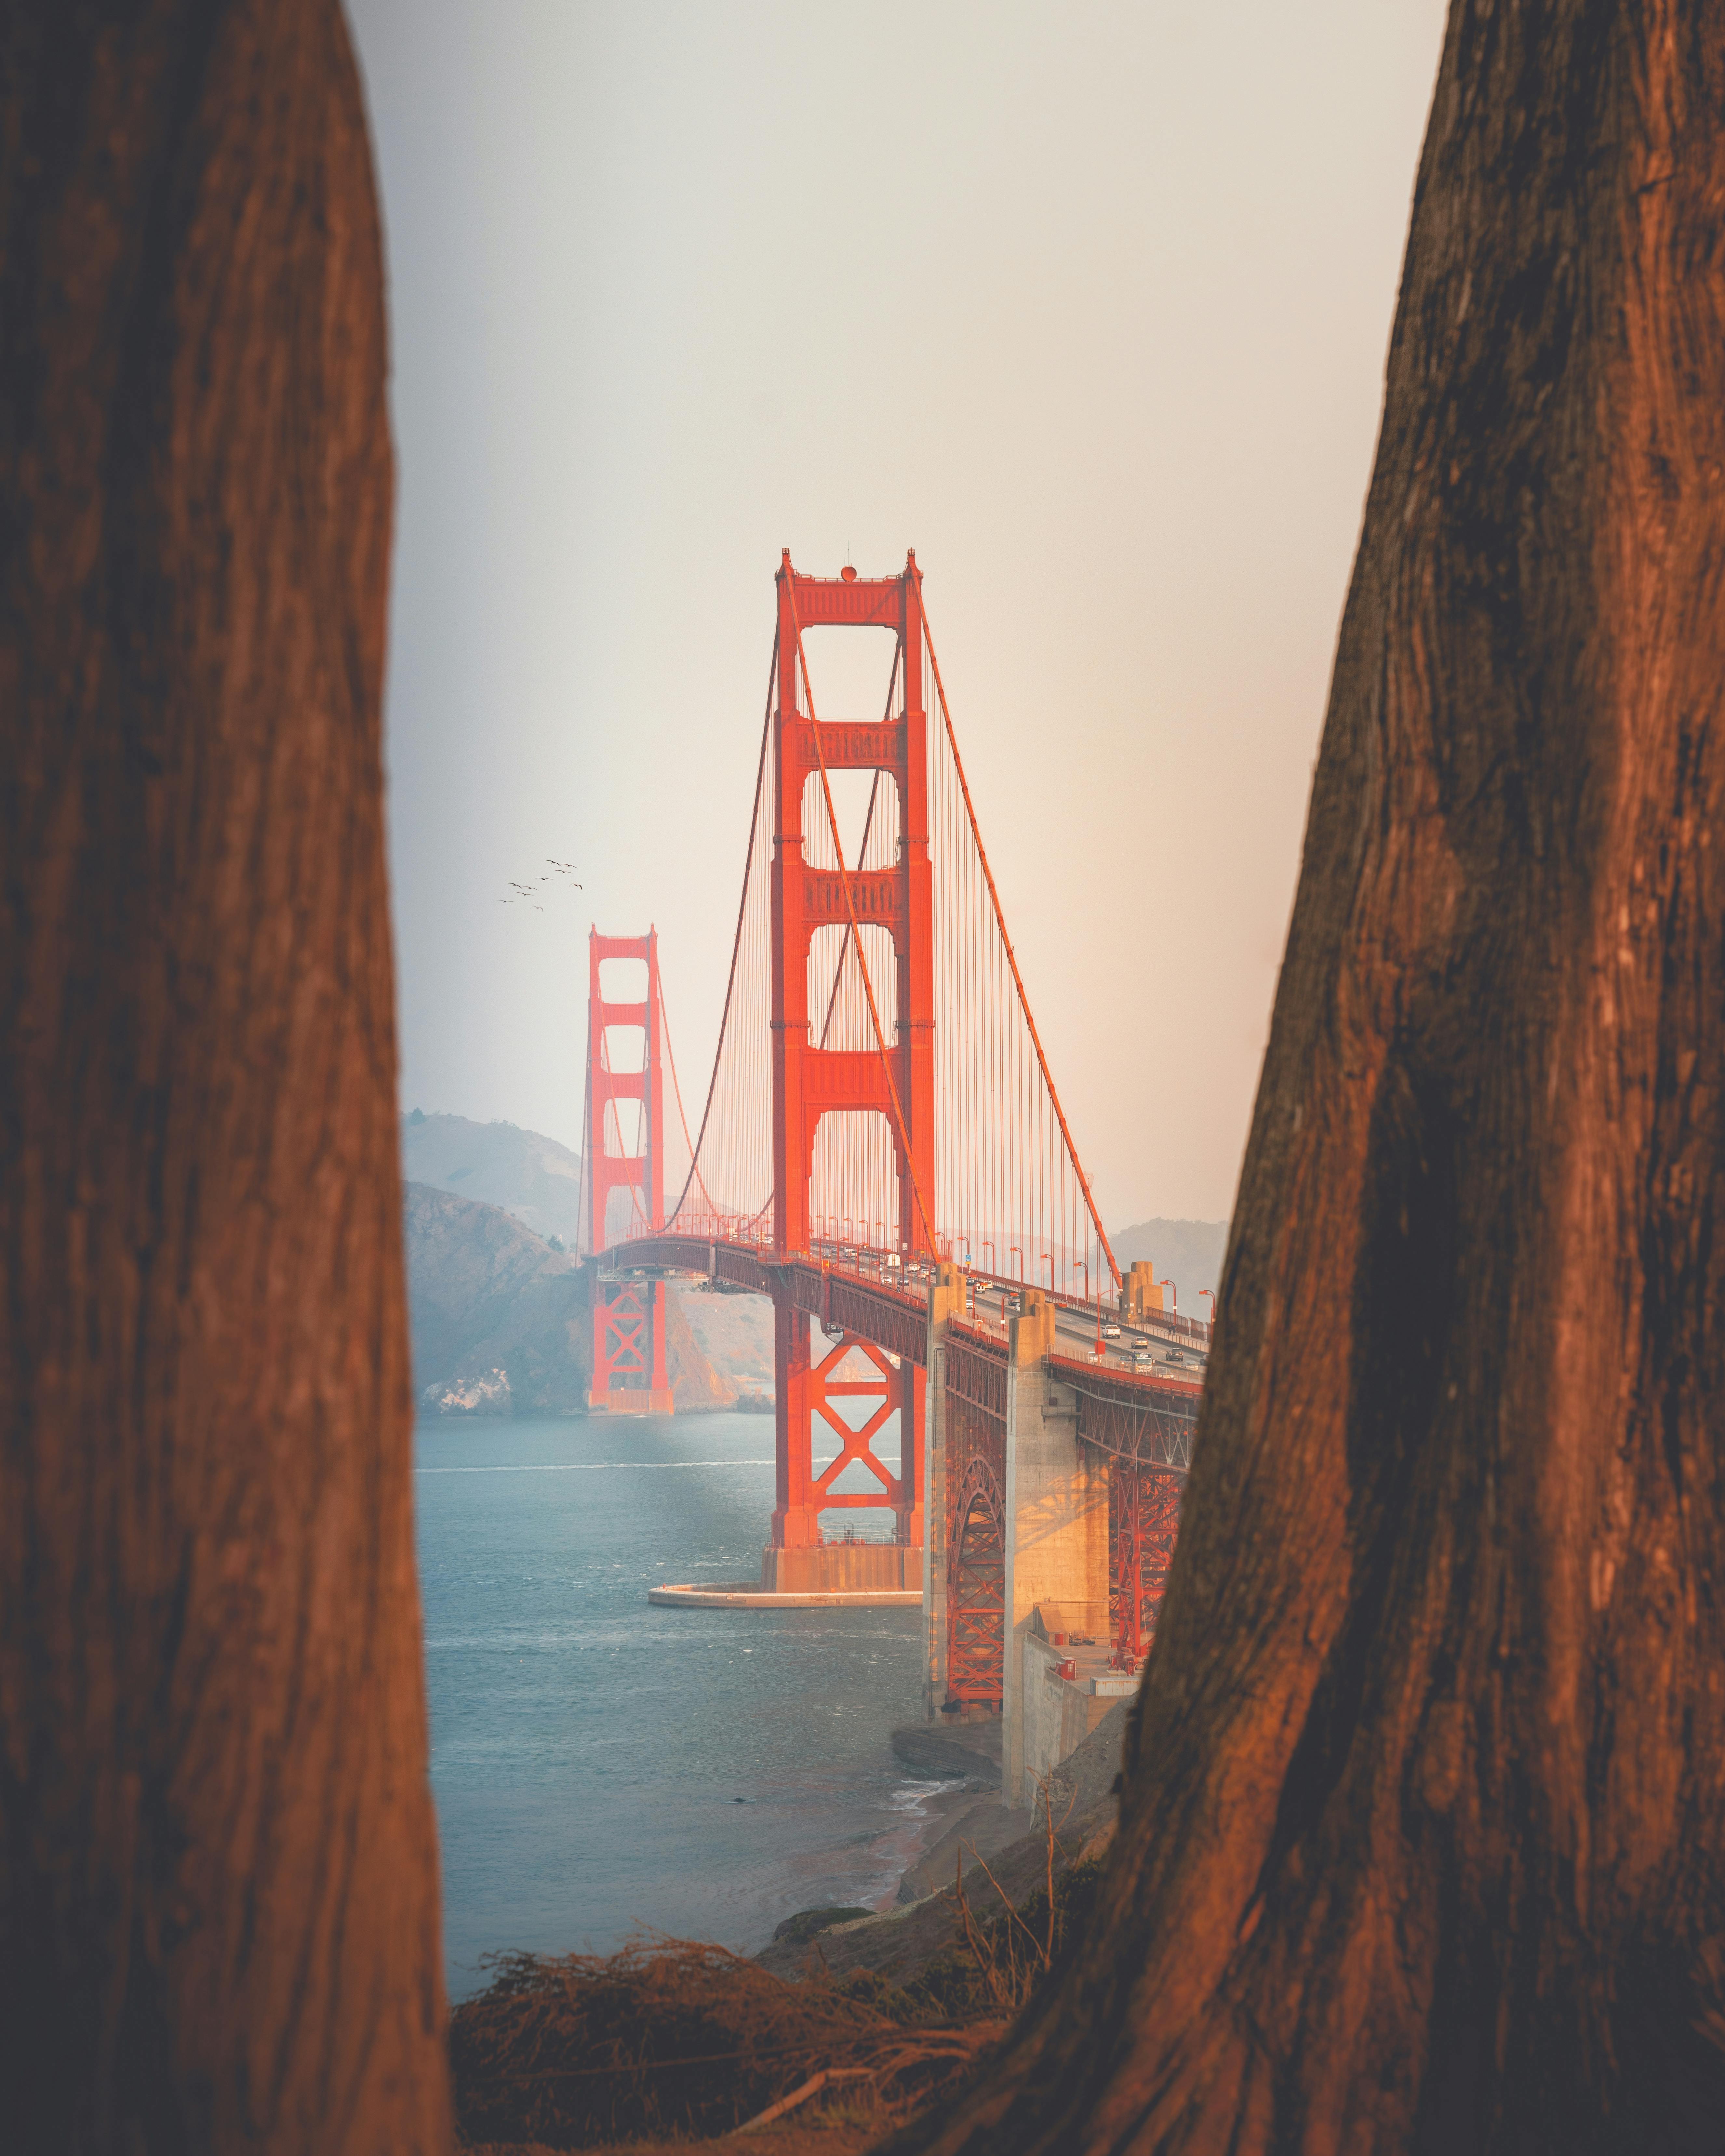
x: 736, y: 1335
x: 534, y: 1177
x: 1187, y: 1252
x: 470, y: 1266
x: 502, y: 1323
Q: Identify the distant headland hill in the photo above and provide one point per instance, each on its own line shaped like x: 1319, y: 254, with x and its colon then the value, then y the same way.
x: 529, y: 1175
x: 1187, y: 1252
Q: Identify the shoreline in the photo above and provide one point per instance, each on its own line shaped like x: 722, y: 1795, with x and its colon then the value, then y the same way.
x: 945, y: 1806
x: 947, y: 1774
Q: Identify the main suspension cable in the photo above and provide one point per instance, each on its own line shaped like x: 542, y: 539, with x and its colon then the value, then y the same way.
x: 736, y: 942
x: 670, y: 1057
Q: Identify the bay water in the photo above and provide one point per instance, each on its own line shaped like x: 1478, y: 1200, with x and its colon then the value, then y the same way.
x: 603, y: 1767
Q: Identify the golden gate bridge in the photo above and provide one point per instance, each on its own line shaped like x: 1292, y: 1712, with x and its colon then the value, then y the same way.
x: 882, y: 1152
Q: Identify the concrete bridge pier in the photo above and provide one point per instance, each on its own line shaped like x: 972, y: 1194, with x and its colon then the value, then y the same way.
x: 945, y: 1302
x: 1056, y: 1521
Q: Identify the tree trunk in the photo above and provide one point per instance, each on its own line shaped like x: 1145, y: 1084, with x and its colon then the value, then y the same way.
x: 218, y: 1858
x: 1421, y: 1835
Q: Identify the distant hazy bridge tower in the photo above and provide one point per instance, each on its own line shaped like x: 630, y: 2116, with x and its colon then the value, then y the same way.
x: 624, y: 1150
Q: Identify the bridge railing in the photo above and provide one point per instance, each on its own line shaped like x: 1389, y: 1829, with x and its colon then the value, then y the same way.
x: 851, y: 1288
x: 910, y: 1271
x: 711, y: 1227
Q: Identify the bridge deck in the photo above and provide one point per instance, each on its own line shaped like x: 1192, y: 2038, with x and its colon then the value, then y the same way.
x: 1129, y: 1405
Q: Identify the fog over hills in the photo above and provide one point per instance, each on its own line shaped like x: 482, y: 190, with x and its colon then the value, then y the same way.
x: 533, y: 1177
x: 1187, y: 1252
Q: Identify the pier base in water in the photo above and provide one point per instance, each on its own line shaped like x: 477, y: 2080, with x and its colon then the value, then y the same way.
x: 831, y: 1575
x: 842, y: 1568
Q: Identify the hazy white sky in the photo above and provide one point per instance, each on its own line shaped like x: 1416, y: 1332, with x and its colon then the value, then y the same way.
x: 1088, y: 303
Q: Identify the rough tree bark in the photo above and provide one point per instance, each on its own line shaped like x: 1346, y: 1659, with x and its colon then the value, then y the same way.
x: 218, y: 1922
x: 1421, y: 1835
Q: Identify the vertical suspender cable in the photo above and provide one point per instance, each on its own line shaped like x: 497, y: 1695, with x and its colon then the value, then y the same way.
x: 1000, y: 922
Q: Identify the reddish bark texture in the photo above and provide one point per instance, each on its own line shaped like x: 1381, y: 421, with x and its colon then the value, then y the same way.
x: 1421, y: 1844
x: 218, y: 1922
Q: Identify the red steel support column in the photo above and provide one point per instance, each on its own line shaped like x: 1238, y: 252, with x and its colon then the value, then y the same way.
x: 1144, y: 1519
x: 912, y: 1426
x: 916, y: 945
x: 796, y: 1523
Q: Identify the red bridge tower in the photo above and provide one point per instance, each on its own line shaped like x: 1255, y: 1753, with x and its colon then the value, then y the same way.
x: 811, y: 1081
x: 625, y: 1151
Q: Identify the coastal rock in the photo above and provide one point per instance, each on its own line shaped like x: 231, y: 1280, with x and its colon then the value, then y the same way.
x: 485, y: 1395
x: 978, y: 1833
x: 1085, y: 1810
x: 809, y: 1923
x: 963, y: 1751
x: 901, y: 1944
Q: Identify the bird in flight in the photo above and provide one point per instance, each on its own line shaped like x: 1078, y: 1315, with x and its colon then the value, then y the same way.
x: 530, y: 894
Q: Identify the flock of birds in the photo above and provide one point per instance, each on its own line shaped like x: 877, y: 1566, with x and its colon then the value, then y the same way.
x: 528, y: 894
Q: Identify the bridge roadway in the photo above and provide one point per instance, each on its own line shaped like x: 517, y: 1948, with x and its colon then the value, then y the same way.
x: 1136, y: 1400
x: 1051, y: 1472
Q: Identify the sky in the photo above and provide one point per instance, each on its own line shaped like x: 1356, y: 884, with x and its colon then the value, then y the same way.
x: 1088, y: 303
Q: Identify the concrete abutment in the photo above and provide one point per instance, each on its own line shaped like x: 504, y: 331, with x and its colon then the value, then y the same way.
x: 1056, y: 1523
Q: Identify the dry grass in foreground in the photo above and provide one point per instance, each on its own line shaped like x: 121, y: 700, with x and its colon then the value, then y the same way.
x: 676, y: 2039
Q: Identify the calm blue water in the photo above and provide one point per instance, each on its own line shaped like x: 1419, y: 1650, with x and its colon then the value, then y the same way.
x: 588, y: 1750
